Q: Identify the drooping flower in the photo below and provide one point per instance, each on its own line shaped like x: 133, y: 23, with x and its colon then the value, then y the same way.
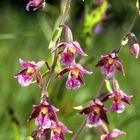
x: 35, y: 5
x: 70, y: 48
x: 95, y: 112
x: 45, y: 118
x: 118, y: 98
x: 30, y: 70
x: 109, y: 63
x: 58, y: 131
x: 75, y: 77
x: 112, y: 135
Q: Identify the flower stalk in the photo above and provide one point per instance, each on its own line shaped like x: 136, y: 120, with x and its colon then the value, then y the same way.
x: 64, y: 17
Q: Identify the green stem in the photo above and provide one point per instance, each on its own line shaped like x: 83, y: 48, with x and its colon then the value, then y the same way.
x: 80, y: 130
x: 64, y: 17
x: 128, y: 31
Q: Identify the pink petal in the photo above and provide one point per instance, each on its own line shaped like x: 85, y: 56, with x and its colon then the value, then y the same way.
x: 67, y: 59
x: 108, y: 71
x: 25, y: 80
x: 118, y: 107
x: 40, y: 64
x: 64, y: 128
x: 63, y: 71
x: 23, y: 72
x: 79, y: 49
x: 115, y: 133
x: 39, y: 79
x: 82, y: 70
x: 26, y: 64
x: 119, y: 66
x: 59, y: 45
x: 80, y: 78
x: 107, y: 97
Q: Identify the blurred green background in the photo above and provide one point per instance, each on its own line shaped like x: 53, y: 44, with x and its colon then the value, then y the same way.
x: 27, y: 35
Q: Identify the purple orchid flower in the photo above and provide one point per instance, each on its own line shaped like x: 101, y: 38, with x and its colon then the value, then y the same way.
x: 96, y: 112
x: 57, y: 133
x: 42, y: 110
x: 112, y: 135
x: 119, y: 97
x: 108, y: 63
x: 75, y: 77
x: 70, y: 48
x: 35, y: 5
x: 30, y: 70
x: 45, y: 118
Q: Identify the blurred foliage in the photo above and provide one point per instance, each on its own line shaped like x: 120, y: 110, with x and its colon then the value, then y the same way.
x: 27, y: 36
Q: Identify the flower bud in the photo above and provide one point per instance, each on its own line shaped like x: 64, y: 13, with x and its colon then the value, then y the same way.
x: 135, y: 49
x: 115, y: 85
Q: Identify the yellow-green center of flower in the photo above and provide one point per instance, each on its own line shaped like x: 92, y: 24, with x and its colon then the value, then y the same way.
x: 110, y: 61
x: 75, y: 72
x: 72, y: 49
x: 44, y: 110
x: 30, y: 70
x: 57, y: 130
x: 97, y: 110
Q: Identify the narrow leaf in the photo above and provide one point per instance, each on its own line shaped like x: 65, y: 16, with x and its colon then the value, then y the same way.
x: 56, y: 36
x: 108, y: 86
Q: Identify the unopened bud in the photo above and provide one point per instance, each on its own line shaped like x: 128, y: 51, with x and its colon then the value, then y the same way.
x: 135, y: 49
x: 134, y: 46
x: 115, y: 85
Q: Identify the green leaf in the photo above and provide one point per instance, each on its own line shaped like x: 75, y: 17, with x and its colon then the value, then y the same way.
x: 108, y: 86
x: 56, y: 36
x: 16, y: 131
x: 137, y: 4
x: 80, y: 107
x: 58, y: 66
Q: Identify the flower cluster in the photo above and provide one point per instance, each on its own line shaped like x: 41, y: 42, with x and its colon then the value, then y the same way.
x: 44, y: 113
x: 46, y: 120
x: 96, y: 113
x: 76, y: 71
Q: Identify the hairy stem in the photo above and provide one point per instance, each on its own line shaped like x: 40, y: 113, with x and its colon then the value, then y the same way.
x: 129, y: 30
x: 80, y: 130
x: 64, y: 17
x: 101, y: 88
x: 66, y: 11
